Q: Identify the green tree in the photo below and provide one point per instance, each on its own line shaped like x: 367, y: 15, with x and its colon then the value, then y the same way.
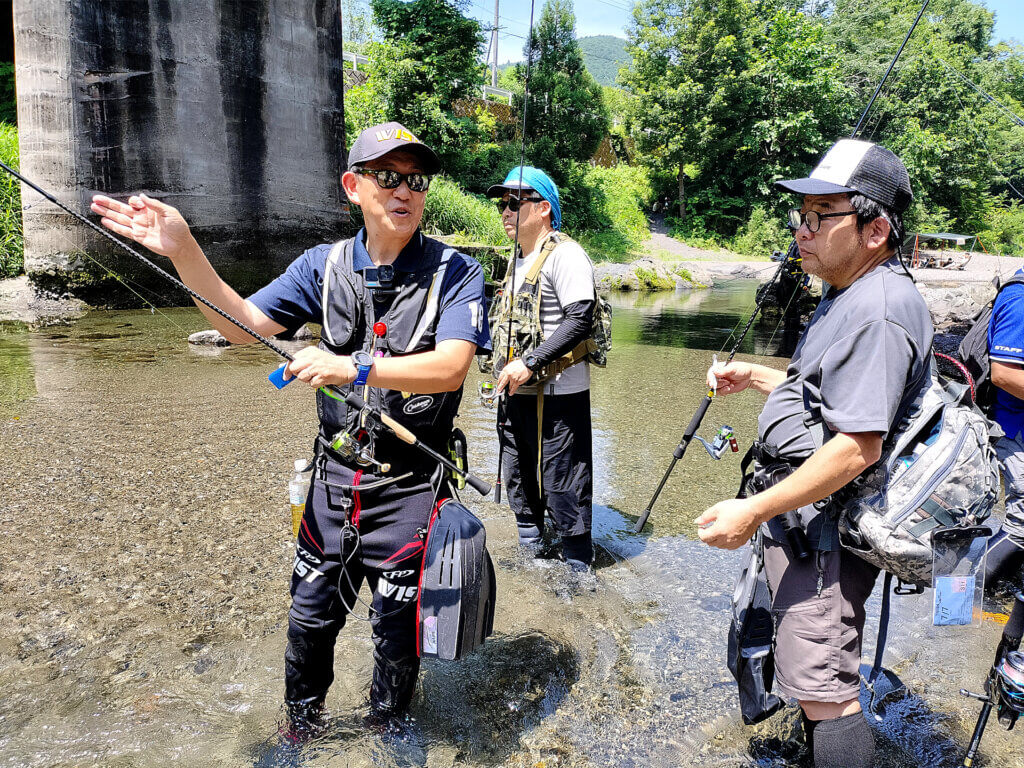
x: 728, y: 96
x: 427, y: 60
x: 566, y: 117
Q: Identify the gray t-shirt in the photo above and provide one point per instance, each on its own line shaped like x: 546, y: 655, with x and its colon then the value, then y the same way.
x: 862, y: 359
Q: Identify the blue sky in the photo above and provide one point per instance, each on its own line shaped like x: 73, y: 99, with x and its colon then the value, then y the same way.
x: 609, y: 17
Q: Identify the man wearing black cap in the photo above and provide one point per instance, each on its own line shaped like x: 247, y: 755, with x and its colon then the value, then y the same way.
x: 863, y: 357
x: 402, y: 318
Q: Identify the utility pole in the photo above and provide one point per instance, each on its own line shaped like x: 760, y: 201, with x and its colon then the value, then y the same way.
x: 494, y: 47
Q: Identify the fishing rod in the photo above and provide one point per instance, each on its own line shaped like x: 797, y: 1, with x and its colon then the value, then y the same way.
x: 510, y: 277
x: 1004, y: 686
x: 351, y: 398
x: 791, y: 522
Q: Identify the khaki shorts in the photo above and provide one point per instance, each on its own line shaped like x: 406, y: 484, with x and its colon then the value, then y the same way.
x: 818, y: 632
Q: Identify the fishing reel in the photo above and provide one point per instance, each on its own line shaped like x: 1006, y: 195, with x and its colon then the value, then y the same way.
x: 487, y: 394
x: 1009, y: 684
x: 357, y: 448
x: 724, y: 438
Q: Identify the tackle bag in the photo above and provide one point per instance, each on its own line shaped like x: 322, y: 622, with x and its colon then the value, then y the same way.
x: 521, y: 312
x: 973, y: 351
x: 455, y: 604
x: 751, y: 652
x: 938, y: 469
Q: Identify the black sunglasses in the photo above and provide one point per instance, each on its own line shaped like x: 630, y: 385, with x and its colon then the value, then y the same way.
x: 513, y: 203
x: 389, y: 179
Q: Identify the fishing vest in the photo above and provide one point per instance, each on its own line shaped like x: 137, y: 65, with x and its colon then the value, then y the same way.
x: 411, y: 320
x: 521, y: 312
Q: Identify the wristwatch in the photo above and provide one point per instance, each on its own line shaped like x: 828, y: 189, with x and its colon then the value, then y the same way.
x: 530, y: 361
x: 363, y: 363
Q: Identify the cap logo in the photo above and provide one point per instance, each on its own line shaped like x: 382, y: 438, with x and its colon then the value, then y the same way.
x: 398, y: 134
x: 839, y: 164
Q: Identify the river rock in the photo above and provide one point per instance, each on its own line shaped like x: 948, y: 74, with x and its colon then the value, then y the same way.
x: 645, y: 274
x: 212, y: 338
x: 954, y: 306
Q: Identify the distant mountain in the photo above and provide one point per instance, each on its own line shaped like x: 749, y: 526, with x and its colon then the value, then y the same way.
x: 603, y: 55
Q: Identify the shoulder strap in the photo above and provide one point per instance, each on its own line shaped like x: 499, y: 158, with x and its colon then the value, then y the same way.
x: 433, y: 297
x: 883, y: 635
x: 550, y: 243
x: 1014, y: 279
x: 334, y: 259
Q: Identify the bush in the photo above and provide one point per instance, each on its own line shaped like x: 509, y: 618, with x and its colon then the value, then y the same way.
x: 1004, y: 227
x: 604, y: 209
x: 12, y: 252
x: 451, y: 211
x: 762, y: 234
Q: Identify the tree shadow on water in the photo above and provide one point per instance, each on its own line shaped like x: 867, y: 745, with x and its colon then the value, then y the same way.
x: 485, y: 702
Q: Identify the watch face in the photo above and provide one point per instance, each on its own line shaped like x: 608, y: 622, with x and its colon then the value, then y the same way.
x: 362, y: 358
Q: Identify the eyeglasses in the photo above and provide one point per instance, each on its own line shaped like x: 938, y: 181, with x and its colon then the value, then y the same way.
x: 513, y: 203
x: 389, y: 179
x: 812, y: 218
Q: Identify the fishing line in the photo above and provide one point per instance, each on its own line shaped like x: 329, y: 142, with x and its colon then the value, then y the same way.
x: 792, y: 257
x: 510, y: 282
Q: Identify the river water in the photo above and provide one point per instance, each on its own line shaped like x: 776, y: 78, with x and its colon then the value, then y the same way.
x: 145, y: 564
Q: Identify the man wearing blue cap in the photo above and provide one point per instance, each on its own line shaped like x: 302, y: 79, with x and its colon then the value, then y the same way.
x: 544, y: 424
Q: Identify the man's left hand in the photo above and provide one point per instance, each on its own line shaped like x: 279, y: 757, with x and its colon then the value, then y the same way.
x: 319, y: 368
x: 513, y: 376
x: 729, y: 524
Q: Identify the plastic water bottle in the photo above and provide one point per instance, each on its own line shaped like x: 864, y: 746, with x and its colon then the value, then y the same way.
x: 298, y: 488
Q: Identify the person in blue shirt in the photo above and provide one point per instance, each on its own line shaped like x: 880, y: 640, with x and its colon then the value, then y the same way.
x: 402, y: 318
x: 1006, y: 354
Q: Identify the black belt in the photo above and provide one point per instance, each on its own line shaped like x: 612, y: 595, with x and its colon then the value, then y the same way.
x: 771, y: 469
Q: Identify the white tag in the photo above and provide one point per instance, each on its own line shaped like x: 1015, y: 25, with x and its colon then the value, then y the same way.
x: 711, y: 374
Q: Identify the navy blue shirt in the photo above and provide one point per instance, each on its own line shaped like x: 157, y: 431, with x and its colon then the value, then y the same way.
x: 1006, y: 345
x: 295, y: 297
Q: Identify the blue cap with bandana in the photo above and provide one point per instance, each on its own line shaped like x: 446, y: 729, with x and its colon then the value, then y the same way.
x: 538, y: 181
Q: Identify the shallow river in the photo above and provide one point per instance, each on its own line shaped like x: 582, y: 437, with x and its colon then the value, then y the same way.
x: 146, y: 555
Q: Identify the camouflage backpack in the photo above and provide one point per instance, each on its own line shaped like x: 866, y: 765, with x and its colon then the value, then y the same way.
x: 521, y: 312
x: 938, y: 470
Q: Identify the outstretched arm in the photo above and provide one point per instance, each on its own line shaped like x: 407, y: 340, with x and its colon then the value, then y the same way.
x: 736, y: 376
x: 162, y: 229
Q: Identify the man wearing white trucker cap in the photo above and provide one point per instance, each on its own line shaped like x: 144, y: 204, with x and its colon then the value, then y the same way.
x: 862, y: 358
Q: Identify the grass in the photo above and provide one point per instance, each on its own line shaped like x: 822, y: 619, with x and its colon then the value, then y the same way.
x: 451, y: 211
x: 12, y: 247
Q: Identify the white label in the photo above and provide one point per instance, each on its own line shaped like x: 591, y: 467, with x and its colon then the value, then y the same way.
x: 430, y: 634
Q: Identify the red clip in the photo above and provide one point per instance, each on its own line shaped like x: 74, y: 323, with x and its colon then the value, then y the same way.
x: 734, y: 445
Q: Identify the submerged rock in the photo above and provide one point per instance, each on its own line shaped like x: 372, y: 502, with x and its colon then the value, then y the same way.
x: 212, y: 338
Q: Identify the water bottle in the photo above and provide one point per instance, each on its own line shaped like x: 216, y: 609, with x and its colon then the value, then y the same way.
x: 298, y: 487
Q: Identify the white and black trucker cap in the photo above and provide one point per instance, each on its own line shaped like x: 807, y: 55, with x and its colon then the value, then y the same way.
x: 858, y: 166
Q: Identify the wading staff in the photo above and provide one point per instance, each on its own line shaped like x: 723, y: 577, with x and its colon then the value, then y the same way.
x: 510, y: 273
x: 350, y: 398
x: 1010, y: 641
x: 791, y: 521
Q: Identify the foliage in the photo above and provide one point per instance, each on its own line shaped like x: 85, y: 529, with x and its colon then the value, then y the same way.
x: 8, y: 106
x: 603, y: 56
x: 424, y: 63
x: 728, y: 95
x: 449, y: 210
x: 608, y: 203
x: 11, y: 242
x: 359, y: 28
x: 1004, y: 230
x: 761, y: 234
x: 566, y: 117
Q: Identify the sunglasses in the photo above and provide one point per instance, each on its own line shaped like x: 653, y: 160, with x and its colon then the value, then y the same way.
x: 389, y: 179
x: 513, y: 203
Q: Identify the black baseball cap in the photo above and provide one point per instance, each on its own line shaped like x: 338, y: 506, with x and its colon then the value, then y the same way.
x: 852, y: 165
x: 377, y: 140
